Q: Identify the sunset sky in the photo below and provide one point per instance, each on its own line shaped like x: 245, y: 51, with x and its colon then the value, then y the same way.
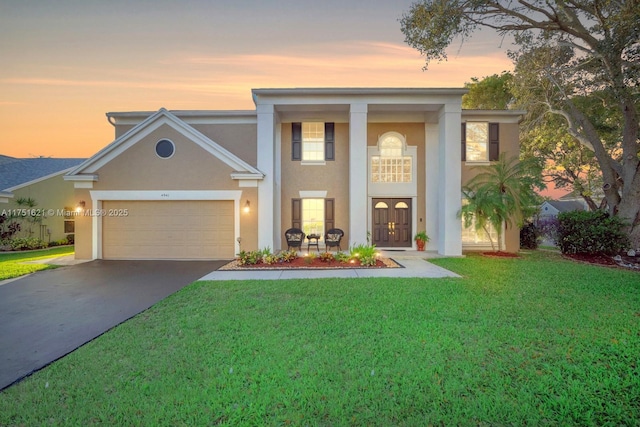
x: 65, y: 63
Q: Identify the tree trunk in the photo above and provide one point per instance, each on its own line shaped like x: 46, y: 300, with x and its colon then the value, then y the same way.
x: 486, y: 230
x: 621, y: 179
x: 629, y: 210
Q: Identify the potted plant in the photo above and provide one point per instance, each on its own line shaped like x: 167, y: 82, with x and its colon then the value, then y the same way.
x: 421, y: 238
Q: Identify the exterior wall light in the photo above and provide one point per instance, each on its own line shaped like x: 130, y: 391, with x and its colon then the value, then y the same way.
x: 247, y: 207
x: 80, y: 206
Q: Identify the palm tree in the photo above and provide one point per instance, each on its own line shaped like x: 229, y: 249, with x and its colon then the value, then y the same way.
x: 486, y: 209
x: 502, y: 193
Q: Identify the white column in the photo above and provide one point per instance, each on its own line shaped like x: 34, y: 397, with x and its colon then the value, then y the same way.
x: 432, y: 185
x: 266, y: 165
x: 358, y: 220
x: 277, y: 186
x: 450, y: 181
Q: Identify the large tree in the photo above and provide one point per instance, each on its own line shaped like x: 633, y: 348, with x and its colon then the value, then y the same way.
x: 489, y: 93
x: 577, y: 50
x: 544, y: 137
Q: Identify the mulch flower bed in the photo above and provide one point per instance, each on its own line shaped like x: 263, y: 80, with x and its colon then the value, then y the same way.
x: 308, y: 263
x: 624, y: 261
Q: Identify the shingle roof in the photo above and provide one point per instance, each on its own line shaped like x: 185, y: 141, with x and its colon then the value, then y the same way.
x: 566, y: 205
x: 15, y: 171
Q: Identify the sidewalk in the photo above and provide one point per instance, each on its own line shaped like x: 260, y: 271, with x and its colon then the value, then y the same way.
x: 414, y: 264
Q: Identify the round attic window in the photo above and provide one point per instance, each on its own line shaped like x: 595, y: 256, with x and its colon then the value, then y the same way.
x: 165, y: 148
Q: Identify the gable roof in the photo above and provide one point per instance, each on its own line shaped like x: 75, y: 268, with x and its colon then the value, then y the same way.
x: 87, y: 169
x: 16, y: 172
x: 566, y: 205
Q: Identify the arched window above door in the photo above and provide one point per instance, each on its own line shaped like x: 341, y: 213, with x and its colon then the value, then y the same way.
x: 391, y: 163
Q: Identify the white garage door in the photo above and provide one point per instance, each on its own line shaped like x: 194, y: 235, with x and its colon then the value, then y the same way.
x: 198, y: 229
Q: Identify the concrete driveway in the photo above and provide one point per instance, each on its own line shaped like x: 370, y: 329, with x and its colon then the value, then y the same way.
x: 50, y: 313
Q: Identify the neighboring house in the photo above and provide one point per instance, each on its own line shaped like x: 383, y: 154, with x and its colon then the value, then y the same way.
x: 597, y: 196
x: 551, y: 208
x: 380, y: 164
x: 39, y: 179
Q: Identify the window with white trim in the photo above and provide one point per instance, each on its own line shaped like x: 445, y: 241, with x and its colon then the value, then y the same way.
x: 477, y: 142
x: 313, y: 141
x: 391, y: 165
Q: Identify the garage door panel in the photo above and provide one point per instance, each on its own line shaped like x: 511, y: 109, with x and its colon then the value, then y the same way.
x: 169, y: 230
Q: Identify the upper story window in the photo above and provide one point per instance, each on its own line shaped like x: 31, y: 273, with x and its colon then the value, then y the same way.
x: 391, y: 164
x: 477, y: 142
x: 312, y: 142
x: 480, y: 142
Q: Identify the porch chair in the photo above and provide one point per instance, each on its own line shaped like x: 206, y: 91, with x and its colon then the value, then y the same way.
x: 333, y: 237
x: 294, y: 237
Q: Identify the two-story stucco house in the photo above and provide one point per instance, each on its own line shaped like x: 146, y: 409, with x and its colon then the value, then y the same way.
x: 380, y: 164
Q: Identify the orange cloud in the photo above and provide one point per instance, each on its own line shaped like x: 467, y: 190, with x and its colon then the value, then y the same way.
x: 61, y: 111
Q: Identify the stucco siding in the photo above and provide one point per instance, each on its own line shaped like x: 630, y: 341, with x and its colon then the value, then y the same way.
x: 84, y: 230
x: 122, y: 129
x: 190, y: 167
x: 249, y: 220
x: 332, y: 177
x: 52, y: 196
x: 239, y: 139
x: 509, y: 144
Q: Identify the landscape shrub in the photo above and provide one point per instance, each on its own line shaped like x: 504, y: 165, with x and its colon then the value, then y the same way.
x: 529, y: 236
x: 342, y: 256
x: 8, y: 227
x: 288, y: 256
x: 27, y: 243
x: 270, y: 259
x: 60, y: 242
x: 590, y: 232
x: 250, y: 257
x: 5, y: 245
x: 326, y: 257
x: 366, y: 254
x: 266, y: 256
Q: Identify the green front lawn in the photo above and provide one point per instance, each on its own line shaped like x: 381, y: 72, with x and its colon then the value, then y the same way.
x: 11, y: 262
x: 531, y: 341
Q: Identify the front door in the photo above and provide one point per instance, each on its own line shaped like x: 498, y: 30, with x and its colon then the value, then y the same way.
x: 391, y: 223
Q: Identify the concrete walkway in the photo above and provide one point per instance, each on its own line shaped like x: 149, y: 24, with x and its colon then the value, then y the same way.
x: 414, y: 264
